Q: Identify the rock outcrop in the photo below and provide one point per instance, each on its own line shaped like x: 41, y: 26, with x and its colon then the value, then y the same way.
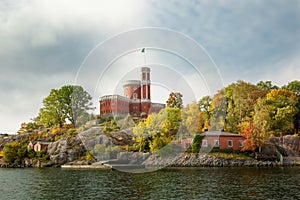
x: 66, y: 150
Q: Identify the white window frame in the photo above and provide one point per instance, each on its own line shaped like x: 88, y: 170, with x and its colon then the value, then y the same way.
x: 204, y: 143
x: 216, y: 143
x: 134, y: 95
x: 231, y: 143
x: 241, y: 143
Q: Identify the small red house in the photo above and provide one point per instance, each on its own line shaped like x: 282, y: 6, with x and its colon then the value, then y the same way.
x: 222, y: 140
x: 31, y: 144
x: 37, y: 145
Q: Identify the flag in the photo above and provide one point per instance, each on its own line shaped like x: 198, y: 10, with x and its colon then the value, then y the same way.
x: 143, y: 50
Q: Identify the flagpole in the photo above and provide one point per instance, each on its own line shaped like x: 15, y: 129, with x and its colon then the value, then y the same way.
x: 143, y: 51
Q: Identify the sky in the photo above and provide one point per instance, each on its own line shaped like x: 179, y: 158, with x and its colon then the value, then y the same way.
x: 195, y: 47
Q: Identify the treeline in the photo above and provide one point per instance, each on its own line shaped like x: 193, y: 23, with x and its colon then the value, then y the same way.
x: 255, y: 111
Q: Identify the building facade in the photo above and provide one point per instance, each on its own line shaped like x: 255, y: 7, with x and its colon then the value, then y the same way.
x: 222, y: 140
x: 136, y: 100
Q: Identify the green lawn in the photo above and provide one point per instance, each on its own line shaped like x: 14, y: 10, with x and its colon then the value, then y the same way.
x: 231, y: 156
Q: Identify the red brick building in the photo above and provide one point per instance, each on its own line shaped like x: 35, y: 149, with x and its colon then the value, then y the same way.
x: 222, y: 140
x: 136, y: 100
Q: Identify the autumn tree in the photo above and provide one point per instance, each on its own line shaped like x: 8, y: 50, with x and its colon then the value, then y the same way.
x: 253, y: 137
x: 282, y: 106
x: 192, y: 119
x: 204, y: 107
x: 175, y: 100
x: 158, y: 129
x: 240, y: 104
x: 67, y: 103
x: 218, y: 110
x: 294, y: 86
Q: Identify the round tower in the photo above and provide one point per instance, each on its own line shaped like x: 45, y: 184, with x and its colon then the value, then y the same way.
x: 132, y: 89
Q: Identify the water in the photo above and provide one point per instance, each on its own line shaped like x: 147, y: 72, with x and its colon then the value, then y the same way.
x: 198, y: 183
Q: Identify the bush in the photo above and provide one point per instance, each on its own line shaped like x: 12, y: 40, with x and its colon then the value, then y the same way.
x: 196, y: 144
x: 30, y: 153
x: 88, y: 156
x: 1, y: 154
x: 71, y: 132
x: 14, y: 153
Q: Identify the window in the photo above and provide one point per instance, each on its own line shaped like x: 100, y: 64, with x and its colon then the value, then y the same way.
x: 204, y: 143
x: 230, y: 143
x: 241, y: 143
x: 216, y: 143
x: 134, y: 95
x: 187, y: 145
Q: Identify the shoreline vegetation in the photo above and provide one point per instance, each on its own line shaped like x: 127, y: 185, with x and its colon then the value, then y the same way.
x: 267, y: 116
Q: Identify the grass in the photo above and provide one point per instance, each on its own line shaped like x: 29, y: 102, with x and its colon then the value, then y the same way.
x: 231, y: 156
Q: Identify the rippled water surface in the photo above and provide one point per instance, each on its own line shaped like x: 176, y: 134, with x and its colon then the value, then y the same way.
x: 199, y: 183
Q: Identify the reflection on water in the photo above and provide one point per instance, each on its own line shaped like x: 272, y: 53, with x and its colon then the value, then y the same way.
x: 197, y: 183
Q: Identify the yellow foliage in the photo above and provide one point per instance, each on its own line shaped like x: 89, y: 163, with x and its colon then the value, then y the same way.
x: 1, y: 154
x: 55, y: 129
x: 88, y: 156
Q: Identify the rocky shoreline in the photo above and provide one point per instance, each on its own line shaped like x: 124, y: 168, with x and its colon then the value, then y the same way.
x: 200, y: 160
x: 185, y: 160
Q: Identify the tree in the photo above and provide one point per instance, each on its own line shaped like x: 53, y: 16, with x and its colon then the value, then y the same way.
x: 158, y: 129
x: 294, y: 86
x: 204, y: 106
x: 175, y: 100
x: 275, y: 113
x: 240, y: 104
x: 193, y: 119
x: 218, y: 110
x: 282, y: 106
x: 67, y: 103
x: 253, y: 137
x: 266, y: 86
x: 14, y: 153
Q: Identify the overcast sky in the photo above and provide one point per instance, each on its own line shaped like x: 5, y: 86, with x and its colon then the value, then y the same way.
x: 45, y: 44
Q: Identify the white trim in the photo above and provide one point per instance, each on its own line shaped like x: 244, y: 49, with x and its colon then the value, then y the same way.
x: 228, y: 141
x: 241, y: 143
x: 204, y: 143
x: 216, y: 143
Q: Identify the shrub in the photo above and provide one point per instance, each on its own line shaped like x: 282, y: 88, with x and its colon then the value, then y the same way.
x: 31, y: 153
x: 1, y: 154
x: 88, y: 156
x: 196, y: 144
x: 14, y: 153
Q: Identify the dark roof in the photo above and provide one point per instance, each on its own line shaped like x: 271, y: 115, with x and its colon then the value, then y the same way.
x: 33, y: 142
x: 219, y: 133
x: 41, y: 142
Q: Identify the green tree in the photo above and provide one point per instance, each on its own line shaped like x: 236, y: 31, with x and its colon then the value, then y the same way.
x: 67, y: 103
x: 275, y: 113
x: 192, y: 119
x: 175, y: 100
x: 204, y: 107
x: 283, y: 108
x: 14, y: 153
x: 240, y: 104
x: 218, y: 110
x: 294, y: 86
x: 158, y: 129
x: 266, y: 86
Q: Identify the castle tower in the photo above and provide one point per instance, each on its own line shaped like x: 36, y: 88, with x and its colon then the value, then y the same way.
x: 145, y: 91
x: 132, y: 90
